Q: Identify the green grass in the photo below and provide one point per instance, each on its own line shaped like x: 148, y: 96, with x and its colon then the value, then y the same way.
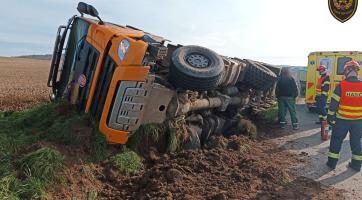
x: 7, y: 185
x: 27, y: 175
x: 269, y: 115
x: 99, y: 144
x: 146, y: 135
x: 44, y: 164
x: 31, y: 187
x: 129, y: 162
x: 173, y: 142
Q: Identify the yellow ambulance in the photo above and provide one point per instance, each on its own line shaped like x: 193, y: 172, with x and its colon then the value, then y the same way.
x: 334, y: 61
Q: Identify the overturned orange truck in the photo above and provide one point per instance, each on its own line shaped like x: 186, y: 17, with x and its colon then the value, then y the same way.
x: 125, y: 77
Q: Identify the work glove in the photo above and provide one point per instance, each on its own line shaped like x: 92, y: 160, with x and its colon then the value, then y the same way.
x: 331, y: 119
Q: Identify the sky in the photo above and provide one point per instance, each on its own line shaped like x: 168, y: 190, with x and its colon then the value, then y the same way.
x: 280, y: 32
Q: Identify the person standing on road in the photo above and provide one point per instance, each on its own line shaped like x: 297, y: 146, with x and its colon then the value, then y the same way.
x: 345, y: 115
x: 322, y: 90
x: 286, y: 91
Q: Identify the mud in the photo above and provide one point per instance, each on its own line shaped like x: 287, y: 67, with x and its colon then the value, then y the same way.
x: 242, y: 170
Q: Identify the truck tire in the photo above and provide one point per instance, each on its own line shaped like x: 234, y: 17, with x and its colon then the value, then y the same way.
x: 258, y: 76
x: 195, y: 68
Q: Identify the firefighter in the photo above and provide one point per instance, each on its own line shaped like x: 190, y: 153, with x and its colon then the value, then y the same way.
x: 322, y: 93
x: 345, y: 115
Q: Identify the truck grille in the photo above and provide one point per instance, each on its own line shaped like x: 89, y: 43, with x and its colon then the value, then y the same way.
x: 87, y: 60
x: 104, y: 80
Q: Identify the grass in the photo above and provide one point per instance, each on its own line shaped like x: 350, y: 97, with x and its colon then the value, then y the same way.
x: 31, y: 187
x: 146, y: 135
x: 43, y: 164
x: 161, y: 136
x: 27, y: 175
x: 173, y: 142
x: 7, y: 185
x: 269, y: 115
x: 129, y: 162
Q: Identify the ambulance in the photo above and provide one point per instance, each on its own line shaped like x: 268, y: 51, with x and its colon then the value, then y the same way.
x: 334, y: 61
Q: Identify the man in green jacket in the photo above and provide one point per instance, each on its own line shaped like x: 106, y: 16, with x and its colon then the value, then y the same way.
x: 286, y: 91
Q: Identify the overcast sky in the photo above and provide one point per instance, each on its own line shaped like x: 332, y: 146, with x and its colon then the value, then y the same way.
x: 273, y: 31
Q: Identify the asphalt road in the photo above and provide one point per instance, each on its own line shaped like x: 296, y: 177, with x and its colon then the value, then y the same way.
x: 307, y: 143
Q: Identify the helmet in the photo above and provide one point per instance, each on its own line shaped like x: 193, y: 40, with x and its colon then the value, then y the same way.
x: 321, y: 68
x: 352, y: 64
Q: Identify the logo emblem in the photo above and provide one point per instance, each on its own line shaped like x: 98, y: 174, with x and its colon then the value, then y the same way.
x: 82, y: 80
x: 342, y: 10
x: 123, y: 48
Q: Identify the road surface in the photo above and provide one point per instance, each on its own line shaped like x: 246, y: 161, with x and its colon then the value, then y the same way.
x: 307, y: 143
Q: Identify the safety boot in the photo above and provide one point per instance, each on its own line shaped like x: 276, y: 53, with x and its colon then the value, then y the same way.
x: 332, y: 164
x: 282, y: 125
x: 295, y: 126
x: 354, y: 167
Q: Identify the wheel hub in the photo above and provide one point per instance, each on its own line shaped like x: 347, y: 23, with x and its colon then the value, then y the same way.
x: 198, y: 60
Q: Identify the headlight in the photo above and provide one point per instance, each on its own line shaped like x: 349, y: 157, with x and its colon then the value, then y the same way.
x: 123, y: 48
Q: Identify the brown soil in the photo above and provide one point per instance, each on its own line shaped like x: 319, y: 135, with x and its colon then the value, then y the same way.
x: 23, y: 83
x: 234, y: 168
x: 242, y: 170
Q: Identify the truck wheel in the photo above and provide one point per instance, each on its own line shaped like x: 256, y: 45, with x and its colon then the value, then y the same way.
x: 195, y: 68
x: 258, y: 76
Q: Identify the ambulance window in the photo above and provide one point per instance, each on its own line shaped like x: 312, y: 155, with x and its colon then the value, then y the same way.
x: 326, y: 62
x: 340, y: 64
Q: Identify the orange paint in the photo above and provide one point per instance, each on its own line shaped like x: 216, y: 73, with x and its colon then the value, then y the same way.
x: 134, y: 73
x: 98, y: 37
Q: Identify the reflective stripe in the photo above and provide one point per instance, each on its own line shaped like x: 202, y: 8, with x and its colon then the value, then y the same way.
x: 342, y: 112
x: 331, y: 112
x: 350, y: 107
x: 335, y: 97
x: 356, y: 157
x: 347, y: 118
x: 325, y: 93
x: 333, y: 155
x: 325, y: 83
x: 322, y: 116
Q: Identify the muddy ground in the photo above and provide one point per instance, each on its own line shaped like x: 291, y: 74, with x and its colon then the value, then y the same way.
x: 241, y: 170
x: 233, y: 168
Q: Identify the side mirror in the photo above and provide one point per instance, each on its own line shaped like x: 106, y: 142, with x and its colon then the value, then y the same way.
x: 92, y: 11
x: 84, y: 8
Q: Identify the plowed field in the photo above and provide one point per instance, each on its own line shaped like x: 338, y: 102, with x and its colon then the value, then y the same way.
x: 22, y: 83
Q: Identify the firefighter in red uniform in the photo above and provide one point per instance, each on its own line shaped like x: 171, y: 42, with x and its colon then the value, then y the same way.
x: 322, y: 90
x: 345, y: 115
